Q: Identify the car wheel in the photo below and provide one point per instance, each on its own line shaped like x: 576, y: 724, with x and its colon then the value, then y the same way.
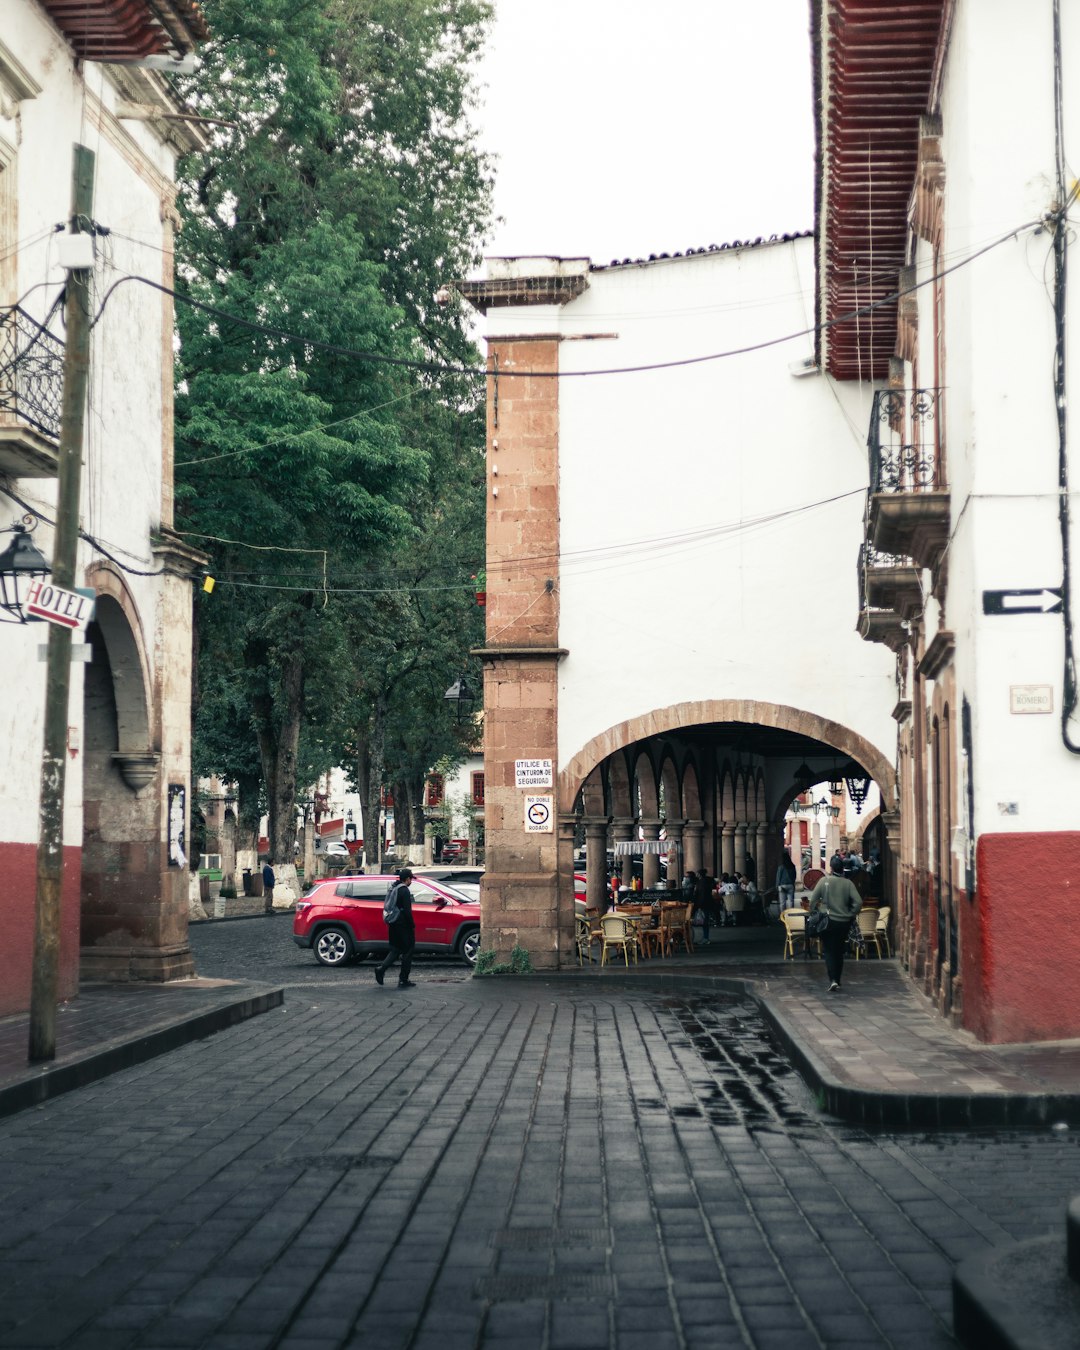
x: 332, y: 947
x: 470, y: 945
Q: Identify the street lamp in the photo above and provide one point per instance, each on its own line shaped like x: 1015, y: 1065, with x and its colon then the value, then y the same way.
x: 460, y: 692
x: 20, y: 563
x: 825, y: 807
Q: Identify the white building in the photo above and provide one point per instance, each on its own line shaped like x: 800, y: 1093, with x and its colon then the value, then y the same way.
x: 967, y: 569
x: 72, y: 75
x: 653, y: 538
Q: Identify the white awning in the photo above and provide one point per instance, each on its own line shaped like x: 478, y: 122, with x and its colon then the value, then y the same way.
x: 633, y: 846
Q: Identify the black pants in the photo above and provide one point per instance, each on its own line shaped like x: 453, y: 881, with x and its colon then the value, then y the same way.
x: 402, y: 942
x: 834, y: 943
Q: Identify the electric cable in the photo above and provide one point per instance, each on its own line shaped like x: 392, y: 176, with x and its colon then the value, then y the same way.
x: 436, y: 368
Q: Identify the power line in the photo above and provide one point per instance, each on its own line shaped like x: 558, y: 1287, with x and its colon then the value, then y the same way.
x: 436, y: 368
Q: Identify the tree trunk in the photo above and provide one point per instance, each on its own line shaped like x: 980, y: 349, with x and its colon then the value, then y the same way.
x: 371, y: 769
x: 279, y: 739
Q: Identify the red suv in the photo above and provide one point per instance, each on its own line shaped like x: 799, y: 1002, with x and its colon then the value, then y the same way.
x: 341, y: 919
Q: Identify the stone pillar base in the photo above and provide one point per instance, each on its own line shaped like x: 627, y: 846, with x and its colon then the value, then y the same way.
x: 522, y: 909
x: 129, y: 965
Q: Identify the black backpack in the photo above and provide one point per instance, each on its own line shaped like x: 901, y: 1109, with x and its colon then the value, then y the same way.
x: 391, y: 910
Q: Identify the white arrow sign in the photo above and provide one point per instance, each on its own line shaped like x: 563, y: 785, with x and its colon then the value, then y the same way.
x: 1044, y: 600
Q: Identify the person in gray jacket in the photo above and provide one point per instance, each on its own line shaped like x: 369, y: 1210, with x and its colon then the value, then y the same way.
x: 840, y: 899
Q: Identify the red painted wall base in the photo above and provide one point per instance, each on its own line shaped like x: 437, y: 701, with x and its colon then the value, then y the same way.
x: 1021, y: 939
x: 18, y: 867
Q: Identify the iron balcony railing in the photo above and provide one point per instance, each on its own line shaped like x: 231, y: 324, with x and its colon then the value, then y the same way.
x: 904, y: 441
x: 31, y: 372
x: 869, y: 558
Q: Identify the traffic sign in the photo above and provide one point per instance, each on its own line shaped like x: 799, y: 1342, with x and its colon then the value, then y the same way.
x: 1043, y: 600
x: 538, y: 815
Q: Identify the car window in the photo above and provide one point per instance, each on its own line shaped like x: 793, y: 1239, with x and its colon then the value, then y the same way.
x: 361, y: 889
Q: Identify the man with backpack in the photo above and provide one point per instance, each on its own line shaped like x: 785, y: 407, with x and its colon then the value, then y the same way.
x: 397, y: 914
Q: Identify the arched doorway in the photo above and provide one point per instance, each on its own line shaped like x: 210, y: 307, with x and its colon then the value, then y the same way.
x: 130, y: 926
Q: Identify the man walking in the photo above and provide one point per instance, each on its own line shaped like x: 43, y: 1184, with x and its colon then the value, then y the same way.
x: 841, y: 901
x: 268, y: 887
x: 397, y: 911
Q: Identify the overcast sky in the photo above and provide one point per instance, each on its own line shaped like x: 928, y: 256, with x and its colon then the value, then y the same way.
x: 629, y: 127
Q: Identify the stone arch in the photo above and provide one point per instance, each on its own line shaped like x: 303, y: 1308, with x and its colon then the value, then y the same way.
x: 670, y: 779
x: 619, y: 802
x: 704, y: 711
x: 117, y: 620
x: 123, y: 850
x: 691, y: 795
x: 727, y: 794
x: 646, y: 796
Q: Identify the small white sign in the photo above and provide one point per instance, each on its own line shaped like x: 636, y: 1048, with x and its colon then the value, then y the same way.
x: 533, y: 773
x: 538, y: 815
x: 1031, y: 698
x: 69, y: 609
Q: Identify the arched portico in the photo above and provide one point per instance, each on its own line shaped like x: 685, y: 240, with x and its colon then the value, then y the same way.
x: 660, y: 722
x: 133, y: 902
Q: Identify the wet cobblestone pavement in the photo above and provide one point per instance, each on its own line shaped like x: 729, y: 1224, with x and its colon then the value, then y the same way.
x: 492, y: 1164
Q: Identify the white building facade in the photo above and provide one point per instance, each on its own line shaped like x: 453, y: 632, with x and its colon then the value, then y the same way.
x: 68, y: 79
x: 654, y: 536
x: 970, y: 534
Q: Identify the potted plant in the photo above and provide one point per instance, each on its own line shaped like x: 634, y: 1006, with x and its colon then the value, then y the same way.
x: 480, y: 588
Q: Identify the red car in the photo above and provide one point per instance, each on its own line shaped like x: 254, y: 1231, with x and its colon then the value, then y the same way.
x: 341, y: 919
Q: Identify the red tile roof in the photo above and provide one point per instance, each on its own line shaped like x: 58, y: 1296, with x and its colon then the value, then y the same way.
x: 125, y: 30
x: 878, y: 61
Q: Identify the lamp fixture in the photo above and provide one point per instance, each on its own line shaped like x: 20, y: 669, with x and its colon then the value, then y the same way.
x: 20, y: 564
x: 803, y: 777
x: 461, y: 693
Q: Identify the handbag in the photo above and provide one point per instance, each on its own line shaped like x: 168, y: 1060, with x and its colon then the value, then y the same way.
x: 817, y: 922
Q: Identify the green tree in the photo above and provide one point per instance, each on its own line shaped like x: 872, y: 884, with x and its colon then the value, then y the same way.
x: 348, y: 193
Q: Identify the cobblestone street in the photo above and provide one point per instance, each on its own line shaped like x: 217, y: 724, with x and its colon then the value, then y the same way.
x: 528, y: 1163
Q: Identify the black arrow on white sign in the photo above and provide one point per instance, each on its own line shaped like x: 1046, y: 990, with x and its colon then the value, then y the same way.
x: 1045, y: 600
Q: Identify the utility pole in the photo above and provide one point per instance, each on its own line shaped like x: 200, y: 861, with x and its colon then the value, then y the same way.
x: 50, y: 858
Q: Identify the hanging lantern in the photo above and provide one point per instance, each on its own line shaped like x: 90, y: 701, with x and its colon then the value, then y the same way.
x: 20, y: 564
x: 858, y: 785
x: 803, y: 777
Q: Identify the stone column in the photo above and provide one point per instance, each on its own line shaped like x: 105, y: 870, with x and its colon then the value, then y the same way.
x: 815, y: 843
x: 761, y: 835
x: 740, y: 843
x: 795, y: 848
x: 596, y: 829
x: 309, y: 848
x: 692, y: 835
x: 227, y: 845
x: 650, y: 862
x: 675, y: 853
x: 622, y: 830
x: 727, y: 847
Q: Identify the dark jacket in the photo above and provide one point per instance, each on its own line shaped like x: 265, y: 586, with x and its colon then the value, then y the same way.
x: 268, y: 876
x: 406, y: 924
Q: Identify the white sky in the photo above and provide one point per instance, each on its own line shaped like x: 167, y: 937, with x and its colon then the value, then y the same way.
x: 629, y: 127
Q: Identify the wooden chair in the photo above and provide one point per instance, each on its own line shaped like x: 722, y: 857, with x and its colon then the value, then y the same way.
x: 583, y: 935
x: 794, y: 921
x: 867, y: 928
x: 617, y: 932
x: 883, y: 928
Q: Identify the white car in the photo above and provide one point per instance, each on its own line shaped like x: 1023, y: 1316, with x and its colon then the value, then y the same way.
x: 334, y: 849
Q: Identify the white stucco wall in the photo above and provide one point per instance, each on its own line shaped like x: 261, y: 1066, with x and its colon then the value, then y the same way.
x: 998, y: 147
x: 711, y: 514
x: 122, y: 465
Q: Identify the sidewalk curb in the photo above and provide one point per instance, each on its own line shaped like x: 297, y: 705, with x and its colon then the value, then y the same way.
x: 877, y: 1108
x: 41, y: 1084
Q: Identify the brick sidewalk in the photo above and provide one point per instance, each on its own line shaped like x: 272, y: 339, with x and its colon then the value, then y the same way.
x: 110, y: 1027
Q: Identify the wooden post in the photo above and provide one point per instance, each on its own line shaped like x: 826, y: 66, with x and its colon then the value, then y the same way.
x: 50, y: 859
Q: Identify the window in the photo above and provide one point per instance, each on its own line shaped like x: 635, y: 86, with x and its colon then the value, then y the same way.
x: 436, y: 788
x: 478, y: 789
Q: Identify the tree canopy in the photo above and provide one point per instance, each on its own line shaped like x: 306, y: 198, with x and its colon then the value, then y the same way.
x: 340, y: 499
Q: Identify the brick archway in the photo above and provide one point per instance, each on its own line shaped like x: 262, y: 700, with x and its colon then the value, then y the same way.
x: 678, y: 716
